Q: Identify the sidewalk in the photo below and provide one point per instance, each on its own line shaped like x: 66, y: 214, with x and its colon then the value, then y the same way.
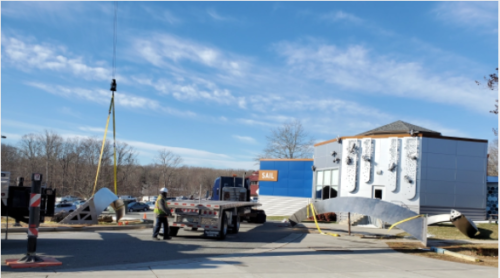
x: 297, y: 255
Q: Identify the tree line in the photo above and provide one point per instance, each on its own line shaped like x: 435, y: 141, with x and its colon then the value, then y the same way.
x: 70, y: 164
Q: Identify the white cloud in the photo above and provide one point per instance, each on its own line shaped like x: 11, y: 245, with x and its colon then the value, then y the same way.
x: 163, y: 15
x: 104, y: 97
x: 24, y: 55
x: 356, y: 69
x: 245, y: 139
x: 92, y: 129
x: 214, y: 15
x: 164, y: 50
x: 335, y: 16
x: 480, y: 14
x: 184, y: 152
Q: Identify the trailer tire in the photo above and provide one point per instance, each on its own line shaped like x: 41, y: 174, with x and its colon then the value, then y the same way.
x: 194, y: 229
x: 260, y: 218
x: 236, y: 224
x: 172, y: 231
x: 223, y: 227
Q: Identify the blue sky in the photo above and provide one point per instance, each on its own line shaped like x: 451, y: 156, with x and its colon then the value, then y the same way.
x: 208, y: 80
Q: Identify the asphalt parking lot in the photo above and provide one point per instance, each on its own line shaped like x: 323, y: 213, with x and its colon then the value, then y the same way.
x: 91, y: 249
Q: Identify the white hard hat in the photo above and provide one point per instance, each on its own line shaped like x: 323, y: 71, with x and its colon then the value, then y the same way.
x: 164, y: 189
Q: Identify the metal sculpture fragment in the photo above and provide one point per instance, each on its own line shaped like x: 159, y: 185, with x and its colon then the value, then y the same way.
x: 89, y: 212
x: 377, y: 208
x: 464, y: 225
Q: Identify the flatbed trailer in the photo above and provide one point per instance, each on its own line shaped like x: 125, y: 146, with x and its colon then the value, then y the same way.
x: 216, y: 218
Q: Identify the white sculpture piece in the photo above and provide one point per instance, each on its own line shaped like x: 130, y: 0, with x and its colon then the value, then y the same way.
x: 409, y: 182
x: 351, y: 163
x: 89, y: 212
x: 367, y: 159
x: 393, y: 165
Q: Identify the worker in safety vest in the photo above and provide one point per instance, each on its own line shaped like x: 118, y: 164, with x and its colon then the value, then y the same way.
x: 161, y: 211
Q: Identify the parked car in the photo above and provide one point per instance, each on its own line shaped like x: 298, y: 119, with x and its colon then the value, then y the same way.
x: 128, y: 198
x: 151, y: 205
x: 137, y: 206
x: 64, y: 206
x: 79, y: 203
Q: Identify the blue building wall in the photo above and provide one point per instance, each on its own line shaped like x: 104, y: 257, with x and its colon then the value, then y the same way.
x: 294, y: 178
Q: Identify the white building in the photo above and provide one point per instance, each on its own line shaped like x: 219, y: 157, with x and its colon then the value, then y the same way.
x: 407, y: 165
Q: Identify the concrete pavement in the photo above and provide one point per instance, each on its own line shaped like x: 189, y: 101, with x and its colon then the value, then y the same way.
x: 297, y: 255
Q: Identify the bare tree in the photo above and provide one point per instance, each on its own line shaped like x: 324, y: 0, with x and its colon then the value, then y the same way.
x: 493, y: 158
x: 167, y: 162
x: 288, y: 141
x: 492, y: 83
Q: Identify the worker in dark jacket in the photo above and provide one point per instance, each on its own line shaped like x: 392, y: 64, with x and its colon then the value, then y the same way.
x: 161, y: 211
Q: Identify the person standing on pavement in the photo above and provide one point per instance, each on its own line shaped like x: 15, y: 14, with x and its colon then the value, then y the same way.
x: 161, y: 212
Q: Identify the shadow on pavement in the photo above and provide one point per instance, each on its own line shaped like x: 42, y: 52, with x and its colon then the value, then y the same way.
x: 118, y: 249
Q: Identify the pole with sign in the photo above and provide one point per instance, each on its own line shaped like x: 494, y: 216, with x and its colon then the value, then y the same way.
x: 31, y: 259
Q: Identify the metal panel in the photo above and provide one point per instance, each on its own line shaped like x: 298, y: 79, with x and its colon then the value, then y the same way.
x: 441, y: 146
x: 443, y: 161
x: 376, y: 208
x: 440, y: 174
x: 471, y: 148
x: 437, y: 187
x: 472, y: 176
x: 471, y: 163
x: 472, y: 213
x: 279, y: 205
x: 470, y: 201
x: 438, y: 200
x: 466, y: 188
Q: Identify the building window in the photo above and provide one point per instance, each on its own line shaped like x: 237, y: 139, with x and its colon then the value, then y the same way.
x: 327, y: 183
x: 377, y: 194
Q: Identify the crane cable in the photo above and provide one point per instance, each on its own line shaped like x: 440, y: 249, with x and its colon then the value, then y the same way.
x: 111, y: 109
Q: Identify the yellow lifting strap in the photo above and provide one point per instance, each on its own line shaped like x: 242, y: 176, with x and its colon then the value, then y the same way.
x: 103, y: 143
x: 316, y: 222
x: 114, y: 142
x: 404, y: 220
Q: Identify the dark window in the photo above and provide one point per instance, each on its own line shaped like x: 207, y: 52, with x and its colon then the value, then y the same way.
x: 378, y: 194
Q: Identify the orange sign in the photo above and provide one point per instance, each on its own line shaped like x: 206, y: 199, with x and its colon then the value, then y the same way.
x: 268, y: 175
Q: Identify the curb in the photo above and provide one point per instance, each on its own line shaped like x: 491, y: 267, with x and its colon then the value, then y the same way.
x: 453, y: 254
x: 80, y: 229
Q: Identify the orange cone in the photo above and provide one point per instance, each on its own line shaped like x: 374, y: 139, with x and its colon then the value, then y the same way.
x: 144, y: 217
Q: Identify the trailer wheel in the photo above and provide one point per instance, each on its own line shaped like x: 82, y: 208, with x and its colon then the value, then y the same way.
x: 223, y: 227
x: 194, y: 229
x: 260, y: 218
x: 236, y: 224
x: 172, y: 231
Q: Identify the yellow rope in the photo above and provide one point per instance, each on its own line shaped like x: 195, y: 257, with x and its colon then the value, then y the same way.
x: 404, y: 220
x: 317, y: 226
x: 103, y: 143
x: 114, y: 141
